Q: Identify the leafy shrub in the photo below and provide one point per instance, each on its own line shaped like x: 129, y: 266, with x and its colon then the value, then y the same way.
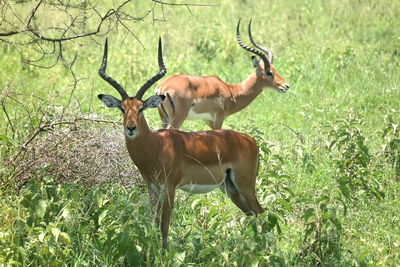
x: 347, y: 148
x: 391, y: 139
x: 322, y: 243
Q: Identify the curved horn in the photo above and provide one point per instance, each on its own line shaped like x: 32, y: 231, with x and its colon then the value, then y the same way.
x: 111, y: 81
x: 155, y: 78
x: 262, y: 48
x: 248, y: 48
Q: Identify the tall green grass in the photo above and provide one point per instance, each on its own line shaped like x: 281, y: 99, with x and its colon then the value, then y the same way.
x: 330, y: 162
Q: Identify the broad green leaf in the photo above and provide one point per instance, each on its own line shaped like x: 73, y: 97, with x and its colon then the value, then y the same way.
x: 321, y: 198
x: 55, y: 232
x: 41, y: 237
x: 133, y: 256
x: 308, y: 214
x: 194, y: 203
x: 65, y: 237
x: 179, y: 256
x: 124, y: 241
x: 207, y: 251
x: 345, y: 191
x: 273, y: 220
x: 285, y: 204
x: 333, y: 217
x: 4, y: 139
x: 102, y: 215
x: 65, y: 213
x: 343, y: 179
x: 41, y: 208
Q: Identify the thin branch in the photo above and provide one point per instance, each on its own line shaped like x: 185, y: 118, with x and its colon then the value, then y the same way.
x: 298, y: 134
x: 52, y: 124
x: 184, y: 4
x: 74, y: 26
x: 28, y: 25
x: 10, y: 33
x: 40, y: 36
x: 8, y: 117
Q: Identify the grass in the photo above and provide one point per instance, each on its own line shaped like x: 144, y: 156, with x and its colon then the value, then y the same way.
x: 329, y: 172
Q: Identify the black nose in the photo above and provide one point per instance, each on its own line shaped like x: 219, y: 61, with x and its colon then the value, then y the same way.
x: 131, y: 128
x: 287, y: 86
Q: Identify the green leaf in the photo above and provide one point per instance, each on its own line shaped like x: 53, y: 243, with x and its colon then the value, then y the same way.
x: 285, y: 204
x: 194, y: 203
x: 334, y: 219
x: 102, y: 215
x: 345, y: 191
x: 179, y: 256
x: 321, y: 199
x: 225, y: 256
x: 270, y: 199
x: 41, y: 237
x: 272, y: 174
x: 206, y: 252
x: 65, y: 237
x: 273, y: 220
x: 4, y: 139
x: 330, y: 146
x: 65, y: 213
x: 308, y: 214
x: 255, y: 263
x: 55, y: 232
x: 290, y: 191
x: 133, y: 256
x: 22, y: 252
x: 124, y: 242
x: 343, y: 179
x: 41, y: 208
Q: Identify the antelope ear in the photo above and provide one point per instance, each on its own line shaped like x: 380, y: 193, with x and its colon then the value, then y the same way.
x: 111, y: 102
x: 256, y: 65
x: 152, y: 102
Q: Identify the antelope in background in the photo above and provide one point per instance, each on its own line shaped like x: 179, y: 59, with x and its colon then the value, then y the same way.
x: 209, y: 98
x: 196, y: 162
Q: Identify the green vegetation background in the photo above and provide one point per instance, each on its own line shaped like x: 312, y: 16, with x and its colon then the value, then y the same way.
x: 330, y: 168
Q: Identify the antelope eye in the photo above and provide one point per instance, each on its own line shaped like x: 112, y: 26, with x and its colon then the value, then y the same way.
x: 269, y: 73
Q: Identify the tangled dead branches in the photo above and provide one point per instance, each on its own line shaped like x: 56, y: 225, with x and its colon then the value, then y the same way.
x: 87, y: 150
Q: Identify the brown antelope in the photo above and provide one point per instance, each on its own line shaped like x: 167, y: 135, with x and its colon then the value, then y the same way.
x: 192, y: 97
x: 197, y: 162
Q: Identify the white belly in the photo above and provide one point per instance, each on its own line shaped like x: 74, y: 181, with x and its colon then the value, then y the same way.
x: 198, y: 188
x: 199, y: 116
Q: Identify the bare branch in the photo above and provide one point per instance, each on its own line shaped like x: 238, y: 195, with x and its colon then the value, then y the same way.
x: 184, y: 4
x: 3, y: 106
x: 82, y: 20
x: 10, y: 33
x: 33, y: 14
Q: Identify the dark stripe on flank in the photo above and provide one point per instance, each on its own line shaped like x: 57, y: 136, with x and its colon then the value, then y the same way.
x: 163, y: 110
x: 172, y: 103
x: 229, y: 186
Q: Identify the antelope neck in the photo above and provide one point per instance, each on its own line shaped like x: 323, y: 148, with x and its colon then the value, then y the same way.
x: 244, y: 93
x: 144, y: 148
x: 249, y: 86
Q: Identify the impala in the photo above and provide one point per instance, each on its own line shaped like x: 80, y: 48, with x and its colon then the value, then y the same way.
x: 192, y: 97
x: 197, y: 162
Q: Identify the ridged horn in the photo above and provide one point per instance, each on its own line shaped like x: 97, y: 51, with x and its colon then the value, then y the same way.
x: 252, y: 50
x: 155, y: 78
x: 262, y: 48
x: 111, y: 81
